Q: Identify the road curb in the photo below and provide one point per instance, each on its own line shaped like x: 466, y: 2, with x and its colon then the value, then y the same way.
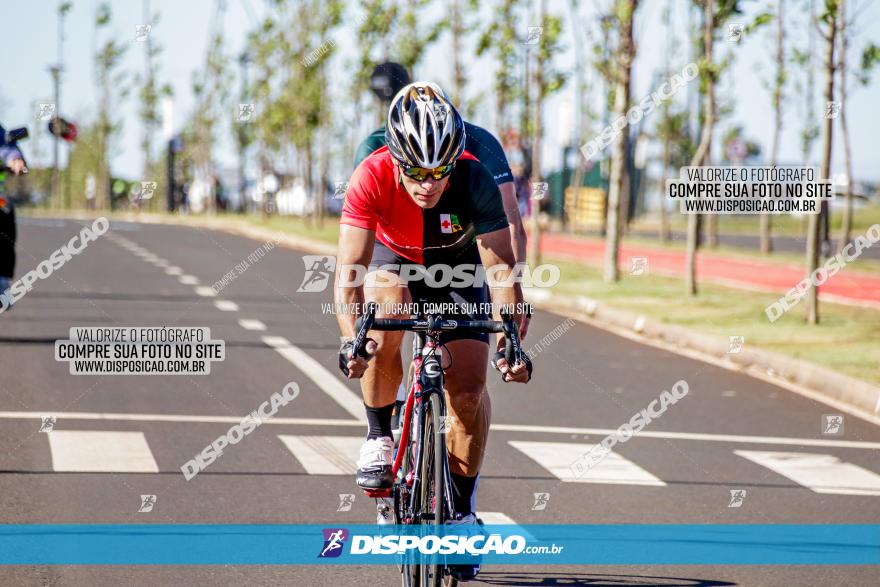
x: 860, y: 396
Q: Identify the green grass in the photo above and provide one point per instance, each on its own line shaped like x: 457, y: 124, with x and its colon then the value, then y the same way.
x: 846, y: 340
x: 777, y: 258
x: 782, y: 224
x: 328, y: 232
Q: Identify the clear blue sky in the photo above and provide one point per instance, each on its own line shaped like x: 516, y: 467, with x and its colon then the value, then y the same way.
x: 29, y: 47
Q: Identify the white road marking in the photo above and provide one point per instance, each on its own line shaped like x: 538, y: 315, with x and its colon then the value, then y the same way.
x: 14, y: 415
x: 602, y: 432
x: 188, y: 280
x: 324, y: 379
x: 226, y: 305
x: 184, y: 418
x: 206, y: 292
x: 174, y: 270
x: 818, y: 472
x: 250, y: 324
x: 558, y: 458
x: 101, y: 451
x: 325, y: 455
x: 495, y: 518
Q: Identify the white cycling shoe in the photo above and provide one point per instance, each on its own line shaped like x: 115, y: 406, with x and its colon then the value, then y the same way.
x: 374, y: 464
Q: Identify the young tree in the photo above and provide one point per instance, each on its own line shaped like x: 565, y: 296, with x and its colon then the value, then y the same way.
x: 776, y: 99
x: 380, y: 19
x: 546, y: 81
x: 459, y: 29
x: 708, y: 76
x: 624, y: 13
x: 870, y: 56
x: 111, y: 85
x: 828, y: 31
x: 806, y: 86
x: 715, y: 14
x: 414, y: 35
x: 501, y: 38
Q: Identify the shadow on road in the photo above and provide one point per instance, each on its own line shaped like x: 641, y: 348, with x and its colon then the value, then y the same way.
x: 593, y: 580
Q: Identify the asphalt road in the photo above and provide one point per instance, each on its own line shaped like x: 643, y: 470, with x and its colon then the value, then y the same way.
x: 730, y: 432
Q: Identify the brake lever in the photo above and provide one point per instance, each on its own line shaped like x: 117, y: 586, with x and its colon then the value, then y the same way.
x: 512, y: 348
x: 364, y: 323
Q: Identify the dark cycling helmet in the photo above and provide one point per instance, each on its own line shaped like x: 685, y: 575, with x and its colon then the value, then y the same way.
x: 387, y: 79
x: 424, y: 129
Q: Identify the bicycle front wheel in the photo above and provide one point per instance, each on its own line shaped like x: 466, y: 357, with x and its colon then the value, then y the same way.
x: 432, y: 488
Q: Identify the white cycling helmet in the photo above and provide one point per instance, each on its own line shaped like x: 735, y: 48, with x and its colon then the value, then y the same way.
x: 424, y: 129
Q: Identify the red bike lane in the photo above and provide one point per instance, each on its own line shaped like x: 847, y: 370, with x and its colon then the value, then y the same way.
x: 847, y: 286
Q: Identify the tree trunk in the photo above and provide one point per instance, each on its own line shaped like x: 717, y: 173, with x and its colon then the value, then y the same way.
x: 766, y: 239
x: 664, y: 217
x: 534, y: 254
x: 846, y: 227
x: 812, y: 306
x: 458, y: 79
x: 618, y: 172
x: 702, y: 155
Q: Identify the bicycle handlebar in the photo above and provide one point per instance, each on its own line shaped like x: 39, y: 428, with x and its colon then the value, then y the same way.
x: 435, y: 323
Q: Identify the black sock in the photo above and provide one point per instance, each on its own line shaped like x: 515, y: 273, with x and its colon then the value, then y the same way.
x: 462, y: 491
x: 379, y: 420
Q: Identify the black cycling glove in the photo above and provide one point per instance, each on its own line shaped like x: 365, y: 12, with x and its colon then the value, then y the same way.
x: 345, y: 354
x: 500, y: 355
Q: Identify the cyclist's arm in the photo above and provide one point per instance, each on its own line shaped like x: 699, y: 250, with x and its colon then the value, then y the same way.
x: 357, y: 234
x: 518, y: 237
x: 496, y: 252
x: 355, y: 250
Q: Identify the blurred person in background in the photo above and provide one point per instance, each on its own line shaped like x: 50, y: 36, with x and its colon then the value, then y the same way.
x: 12, y: 159
x: 521, y: 167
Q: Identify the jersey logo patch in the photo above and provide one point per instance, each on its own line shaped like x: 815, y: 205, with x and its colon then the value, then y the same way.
x: 449, y: 223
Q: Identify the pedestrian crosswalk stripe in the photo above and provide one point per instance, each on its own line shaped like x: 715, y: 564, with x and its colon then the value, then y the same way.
x: 101, y: 451
x: 559, y: 458
x: 325, y: 455
x: 205, y: 291
x: 320, y: 375
x: 495, y: 518
x: 188, y: 280
x: 820, y: 473
x: 226, y: 305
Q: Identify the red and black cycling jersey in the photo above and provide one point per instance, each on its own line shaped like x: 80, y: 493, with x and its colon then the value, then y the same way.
x: 469, y: 206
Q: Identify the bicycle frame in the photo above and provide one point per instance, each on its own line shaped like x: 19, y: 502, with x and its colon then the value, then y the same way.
x: 427, y: 380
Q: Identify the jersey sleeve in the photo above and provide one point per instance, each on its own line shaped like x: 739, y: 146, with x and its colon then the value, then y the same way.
x: 485, y: 147
x: 376, y: 140
x: 359, y: 208
x: 488, y: 208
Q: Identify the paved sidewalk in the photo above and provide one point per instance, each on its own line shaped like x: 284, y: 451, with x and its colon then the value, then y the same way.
x: 848, y: 286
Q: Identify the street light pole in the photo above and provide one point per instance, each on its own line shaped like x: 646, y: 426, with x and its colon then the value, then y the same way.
x: 55, y: 70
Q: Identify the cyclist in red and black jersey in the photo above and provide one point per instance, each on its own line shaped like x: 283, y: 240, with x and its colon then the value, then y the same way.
x: 423, y: 200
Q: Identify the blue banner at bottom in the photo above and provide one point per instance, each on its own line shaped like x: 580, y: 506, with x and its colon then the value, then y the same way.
x: 256, y: 544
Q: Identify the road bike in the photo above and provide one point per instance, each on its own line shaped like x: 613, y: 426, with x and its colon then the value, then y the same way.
x: 422, y: 490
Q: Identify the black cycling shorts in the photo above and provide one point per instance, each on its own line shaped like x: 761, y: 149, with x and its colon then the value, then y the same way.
x: 421, y: 292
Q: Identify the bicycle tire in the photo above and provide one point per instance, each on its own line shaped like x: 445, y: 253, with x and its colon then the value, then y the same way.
x: 433, y: 481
